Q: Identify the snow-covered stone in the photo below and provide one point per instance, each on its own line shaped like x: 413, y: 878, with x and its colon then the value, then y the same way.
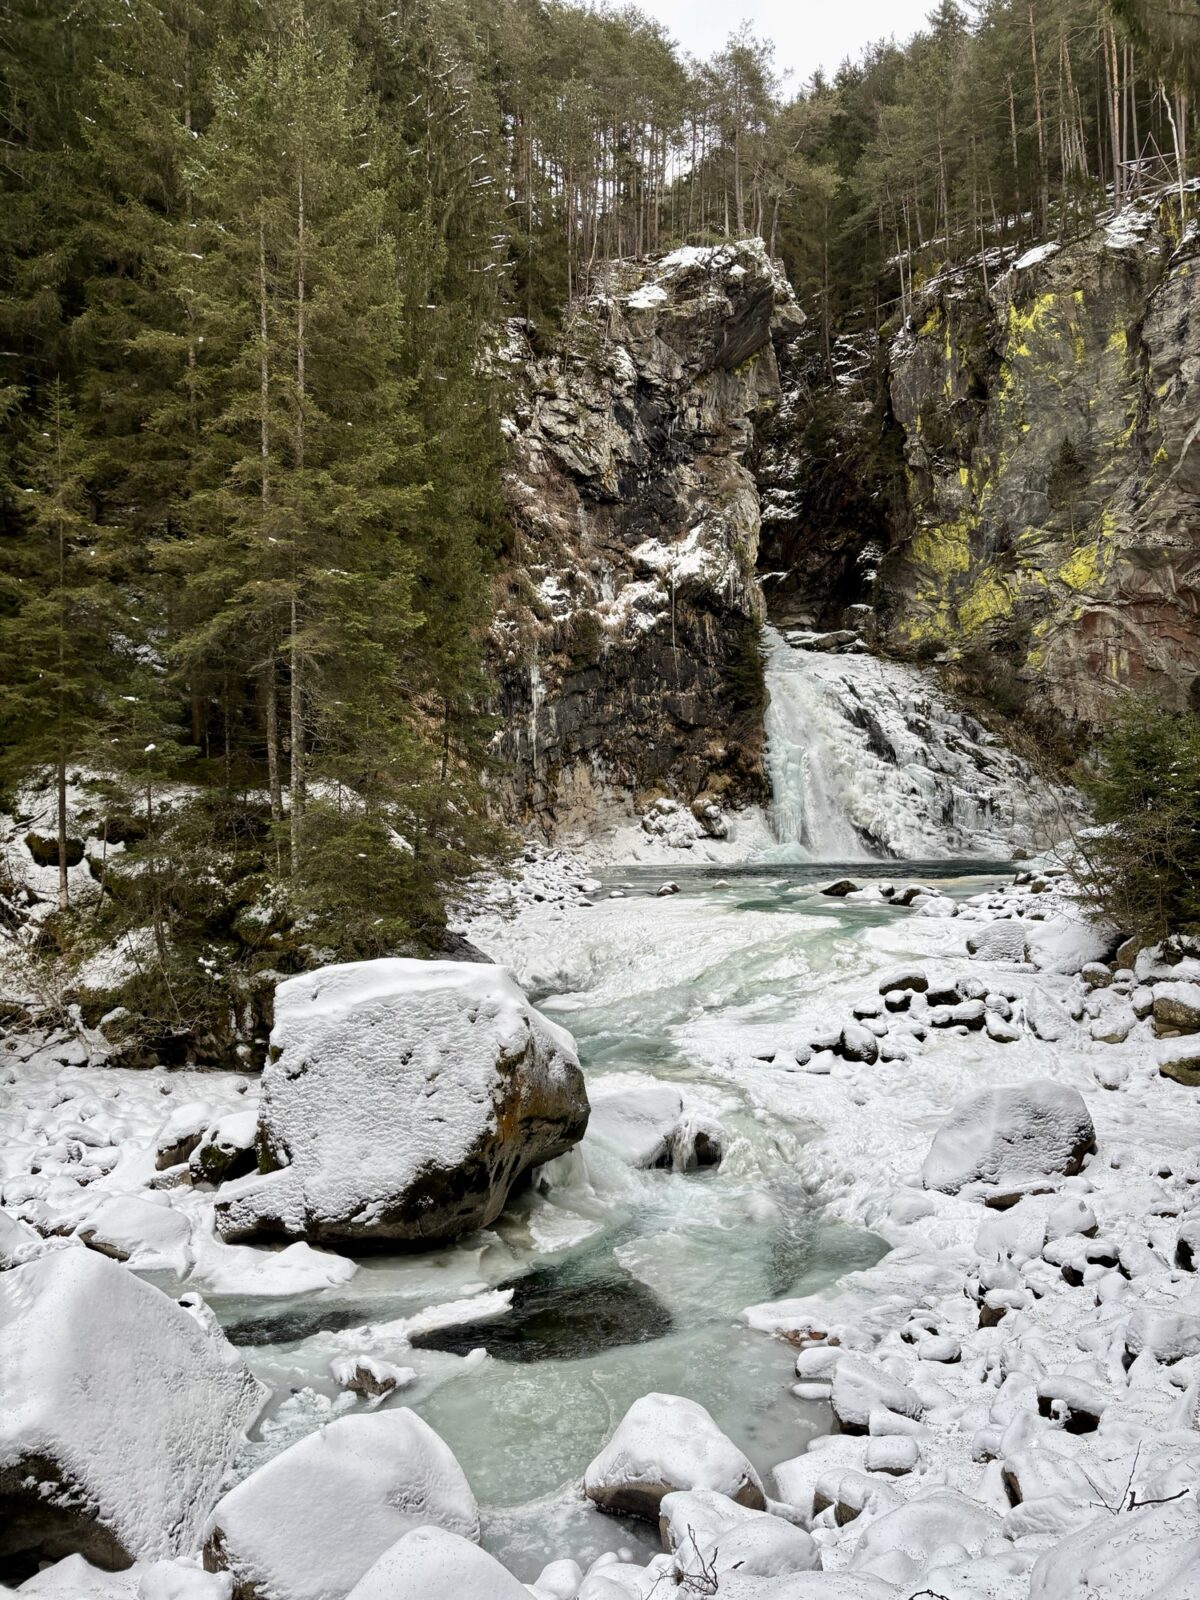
x: 1177, y: 1007
x: 1000, y: 941
x: 663, y: 1443
x: 899, y: 1546
x: 650, y: 1125
x: 308, y: 1524
x: 709, y: 1533
x: 1006, y: 1136
x: 1152, y: 1554
x: 434, y: 1563
x: 861, y: 1389
x: 402, y: 1101
x: 1047, y: 1019
x: 130, y: 1228
x: 1179, y: 1059
x: 119, y: 1412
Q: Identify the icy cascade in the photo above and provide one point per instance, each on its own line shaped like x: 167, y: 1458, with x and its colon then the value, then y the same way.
x: 867, y: 758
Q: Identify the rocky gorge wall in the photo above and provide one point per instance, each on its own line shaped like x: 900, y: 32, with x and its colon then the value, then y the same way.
x: 626, y: 634
x: 1048, y: 417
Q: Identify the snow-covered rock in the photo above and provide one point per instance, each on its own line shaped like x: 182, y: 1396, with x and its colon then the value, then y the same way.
x: 308, y: 1524
x: 433, y: 1563
x: 1152, y: 1554
x: 129, y: 1228
x: 663, y: 1443
x: 1177, y: 1007
x: 709, y: 1533
x: 649, y: 1123
x: 1009, y: 1136
x: 402, y: 1101
x: 119, y: 1412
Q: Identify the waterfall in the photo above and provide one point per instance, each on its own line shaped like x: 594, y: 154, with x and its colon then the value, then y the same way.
x: 868, y: 758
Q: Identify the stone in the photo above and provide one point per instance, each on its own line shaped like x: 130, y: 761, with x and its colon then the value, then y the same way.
x: 859, y: 1389
x: 709, y: 1534
x: 1176, y: 1008
x: 1096, y: 975
x: 858, y: 1043
x: 283, y: 1531
x: 1179, y: 1060
x: 1025, y: 1132
x: 1187, y: 1244
x: 649, y: 1124
x: 841, y: 888
x: 897, y: 999
x: 433, y: 1563
x: 904, y: 978
x: 120, y: 1414
x: 666, y: 1443
x: 1000, y: 941
x: 226, y: 1149
x: 402, y: 1101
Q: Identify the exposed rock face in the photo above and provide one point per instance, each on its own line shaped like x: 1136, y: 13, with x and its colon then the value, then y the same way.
x: 627, y: 638
x: 1048, y: 424
x: 402, y: 1102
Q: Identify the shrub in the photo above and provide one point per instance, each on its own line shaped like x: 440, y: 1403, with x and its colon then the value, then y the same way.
x: 1144, y: 869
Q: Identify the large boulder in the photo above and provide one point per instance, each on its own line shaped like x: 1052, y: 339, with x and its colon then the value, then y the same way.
x: 1177, y: 1008
x: 309, y: 1524
x: 435, y: 1564
x: 1010, y: 1136
x: 711, y: 1535
x: 665, y: 1443
x: 402, y: 1101
x: 120, y: 1414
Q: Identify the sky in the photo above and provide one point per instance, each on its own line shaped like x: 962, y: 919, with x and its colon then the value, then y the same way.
x: 807, y: 33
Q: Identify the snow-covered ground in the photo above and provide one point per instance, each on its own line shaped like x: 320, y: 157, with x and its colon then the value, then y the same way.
x: 1026, y: 1376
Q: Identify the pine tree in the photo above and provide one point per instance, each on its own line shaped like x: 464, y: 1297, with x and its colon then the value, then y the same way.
x: 63, y: 651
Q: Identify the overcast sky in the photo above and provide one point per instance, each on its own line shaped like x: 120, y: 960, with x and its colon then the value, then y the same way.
x: 808, y: 33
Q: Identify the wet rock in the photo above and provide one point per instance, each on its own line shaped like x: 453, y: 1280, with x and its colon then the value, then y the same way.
x: 897, y: 999
x: 402, y: 1102
x: 226, y: 1150
x: 366, y: 1376
x: 552, y: 1319
x: 841, y: 888
x: 1187, y: 1245
x: 662, y: 1444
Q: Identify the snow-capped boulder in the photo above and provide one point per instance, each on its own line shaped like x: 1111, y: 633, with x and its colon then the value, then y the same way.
x: 1046, y: 1018
x: 226, y: 1149
x: 1009, y: 1136
x: 898, y: 1546
x: 119, y: 1413
x: 308, y: 1524
x: 1179, y: 1059
x: 664, y: 1443
x: 18, y: 1241
x: 130, y: 1228
x: 434, y: 1563
x: 861, y: 1389
x: 402, y: 1101
x: 1177, y: 1007
x: 649, y: 1123
x: 709, y: 1533
x: 1152, y: 1554
x: 1006, y: 940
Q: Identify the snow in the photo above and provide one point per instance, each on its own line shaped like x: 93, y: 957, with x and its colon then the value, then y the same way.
x: 1008, y: 1136
x: 436, y: 1564
x: 665, y: 1442
x: 709, y: 1533
x: 138, y: 1408
x: 383, y: 1073
x: 73, y: 1578
x: 308, y: 1524
x: 1035, y: 256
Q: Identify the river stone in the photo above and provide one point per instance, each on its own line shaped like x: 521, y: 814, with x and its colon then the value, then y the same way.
x: 665, y: 1443
x: 1009, y: 1136
x: 1179, y: 1060
x: 402, y: 1101
x: 1177, y: 1008
x: 1000, y: 941
x: 309, y: 1524
x: 904, y: 978
x: 120, y: 1414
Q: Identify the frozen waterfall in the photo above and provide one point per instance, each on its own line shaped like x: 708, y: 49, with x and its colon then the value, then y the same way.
x: 868, y: 758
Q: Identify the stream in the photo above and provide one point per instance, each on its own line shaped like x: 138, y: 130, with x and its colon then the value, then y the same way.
x: 622, y: 1280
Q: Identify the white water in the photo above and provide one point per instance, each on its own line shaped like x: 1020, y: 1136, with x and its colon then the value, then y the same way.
x: 868, y: 758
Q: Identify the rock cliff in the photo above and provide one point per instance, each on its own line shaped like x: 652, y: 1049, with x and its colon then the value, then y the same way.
x: 628, y: 622
x: 1049, y: 416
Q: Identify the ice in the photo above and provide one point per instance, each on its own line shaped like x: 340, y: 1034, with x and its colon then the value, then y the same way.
x: 308, y: 1525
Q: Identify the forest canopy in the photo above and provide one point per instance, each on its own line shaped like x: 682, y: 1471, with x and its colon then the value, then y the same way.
x: 252, y: 262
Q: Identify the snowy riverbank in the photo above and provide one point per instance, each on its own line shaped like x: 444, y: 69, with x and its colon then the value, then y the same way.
x: 1026, y: 1377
